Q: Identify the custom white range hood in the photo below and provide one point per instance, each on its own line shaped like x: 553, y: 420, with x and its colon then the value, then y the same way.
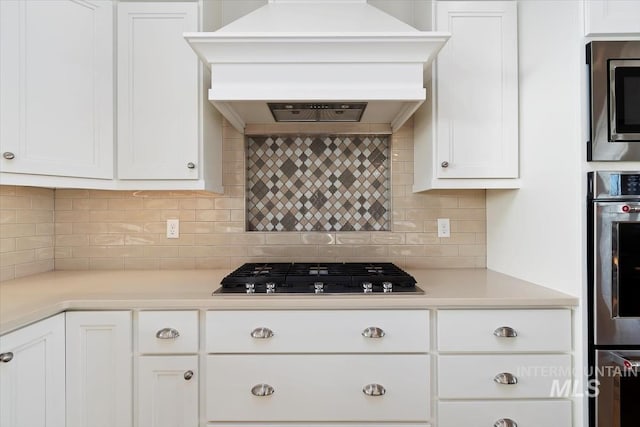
x: 317, y: 55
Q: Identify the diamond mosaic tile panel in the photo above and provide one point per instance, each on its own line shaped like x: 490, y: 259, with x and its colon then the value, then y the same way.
x: 318, y: 183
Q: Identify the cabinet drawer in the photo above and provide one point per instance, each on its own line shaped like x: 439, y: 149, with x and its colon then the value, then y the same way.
x: 472, y: 377
x: 480, y: 330
x: 323, y: 425
x: 318, y: 388
x: 405, y: 331
x: 556, y: 413
x: 168, y: 331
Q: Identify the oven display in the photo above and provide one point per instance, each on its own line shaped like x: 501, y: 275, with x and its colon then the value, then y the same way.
x: 624, y: 184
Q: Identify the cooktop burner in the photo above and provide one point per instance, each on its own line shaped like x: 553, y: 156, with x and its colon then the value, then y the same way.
x: 318, y: 278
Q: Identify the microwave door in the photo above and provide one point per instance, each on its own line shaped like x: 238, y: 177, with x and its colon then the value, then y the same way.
x: 624, y: 100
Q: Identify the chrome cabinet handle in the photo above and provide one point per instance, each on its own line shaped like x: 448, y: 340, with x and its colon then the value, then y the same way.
x: 505, y: 332
x: 191, y: 165
x: 188, y: 375
x: 6, y: 357
x: 444, y: 164
x: 262, y: 390
x: 505, y: 422
x: 373, y: 332
x: 374, y: 390
x: 505, y: 378
x: 8, y: 155
x: 261, y: 333
x: 167, y: 334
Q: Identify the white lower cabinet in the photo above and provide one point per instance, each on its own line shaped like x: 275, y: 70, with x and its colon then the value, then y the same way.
x: 168, y: 391
x: 99, y: 369
x: 32, y: 371
x: 534, y: 413
x: 318, y: 366
x: 504, y: 365
x: 318, y: 388
x: 167, y: 368
x: 501, y: 376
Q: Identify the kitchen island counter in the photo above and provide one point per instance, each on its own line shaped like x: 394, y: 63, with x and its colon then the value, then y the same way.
x: 28, y: 299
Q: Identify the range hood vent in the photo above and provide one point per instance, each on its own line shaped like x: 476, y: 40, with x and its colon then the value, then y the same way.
x: 317, y: 112
x: 324, y: 53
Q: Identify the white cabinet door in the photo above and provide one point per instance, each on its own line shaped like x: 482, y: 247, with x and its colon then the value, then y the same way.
x: 157, y: 92
x: 477, y: 90
x: 475, y: 101
x: 32, y: 366
x: 99, y: 378
x: 168, y: 391
x: 56, y: 80
x: 611, y: 17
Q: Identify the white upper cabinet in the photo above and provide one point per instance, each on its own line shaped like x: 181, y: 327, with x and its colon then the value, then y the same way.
x: 466, y: 136
x: 157, y: 92
x: 56, y: 80
x: 612, y: 17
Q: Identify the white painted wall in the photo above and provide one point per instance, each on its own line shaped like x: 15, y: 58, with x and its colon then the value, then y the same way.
x: 537, y: 233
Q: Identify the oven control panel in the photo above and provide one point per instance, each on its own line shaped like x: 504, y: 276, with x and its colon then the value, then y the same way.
x: 607, y: 185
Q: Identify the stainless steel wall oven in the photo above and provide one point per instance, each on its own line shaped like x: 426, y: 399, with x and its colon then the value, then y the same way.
x: 614, y: 298
x: 614, y: 82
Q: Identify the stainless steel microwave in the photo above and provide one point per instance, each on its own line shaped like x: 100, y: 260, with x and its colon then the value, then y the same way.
x: 614, y: 74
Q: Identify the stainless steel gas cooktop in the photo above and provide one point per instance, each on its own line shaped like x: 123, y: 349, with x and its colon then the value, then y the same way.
x: 319, y: 278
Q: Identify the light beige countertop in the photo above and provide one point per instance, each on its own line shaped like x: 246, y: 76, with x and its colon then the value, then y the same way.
x: 28, y: 299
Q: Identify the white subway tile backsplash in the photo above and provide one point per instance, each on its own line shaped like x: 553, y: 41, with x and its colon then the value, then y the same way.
x: 98, y: 229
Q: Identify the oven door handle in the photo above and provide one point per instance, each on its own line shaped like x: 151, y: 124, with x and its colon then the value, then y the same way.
x: 625, y: 361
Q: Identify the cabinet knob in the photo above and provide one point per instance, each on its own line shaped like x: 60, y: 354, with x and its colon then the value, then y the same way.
x: 167, y: 334
x: 373, y: 332
x: 8, y: 155
x: 505, y: 422
x: 188, y: 375
x: 261, y: 333
x: 505, y: 378
x: 191, y: 165
x: 444, y: 164
x: 374, y: 390
x: 505, y: 332
x: 262, y: 390
x: 6, y: 357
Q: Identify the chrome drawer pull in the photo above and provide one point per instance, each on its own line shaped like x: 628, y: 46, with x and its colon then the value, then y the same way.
x: 505, y: 332
x: 262, y: 390
x: 373, y: 332
x: 505, y: 422
x: 261, y: 333
x: 188, y: 375
x: 6, y: 357
x: 505, y: 378
x: 167, y: 334
x: 373, y: 390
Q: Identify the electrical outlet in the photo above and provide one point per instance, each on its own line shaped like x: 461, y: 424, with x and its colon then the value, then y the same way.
x: 173, y: 228
x: 444, y: 229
